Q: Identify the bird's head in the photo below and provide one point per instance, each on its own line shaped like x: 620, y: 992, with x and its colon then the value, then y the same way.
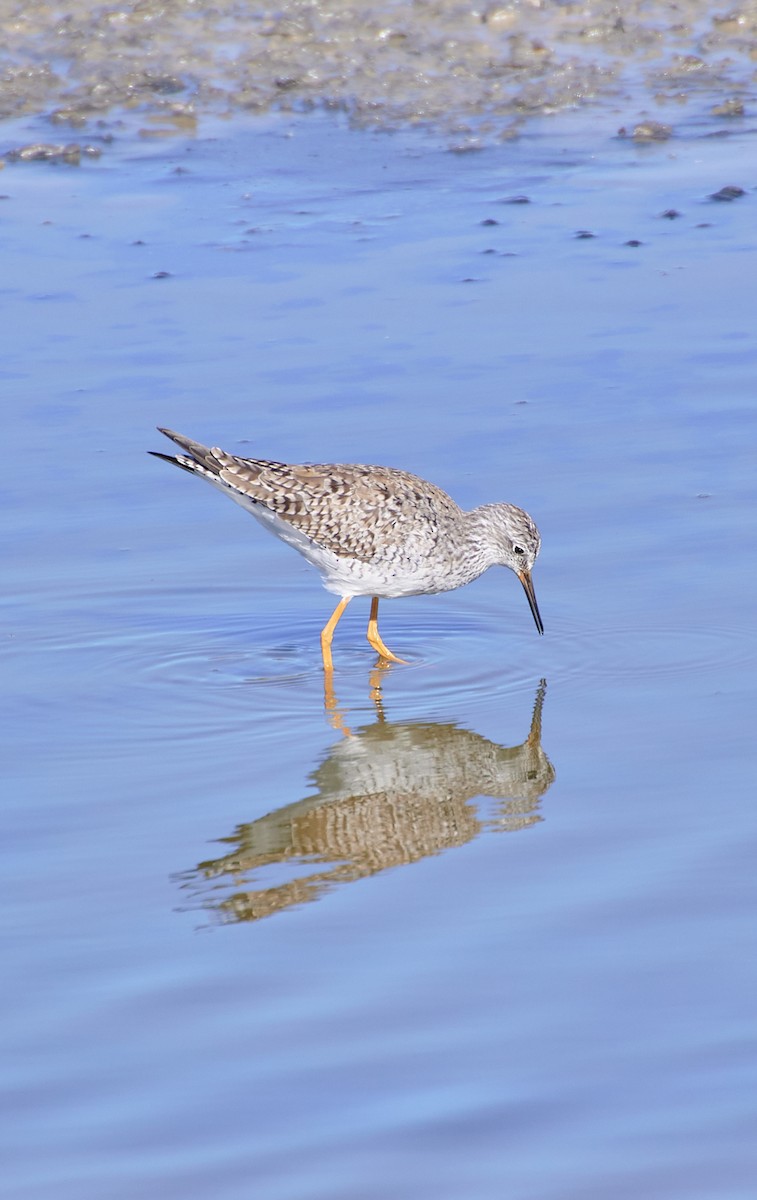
x: 515, y: 543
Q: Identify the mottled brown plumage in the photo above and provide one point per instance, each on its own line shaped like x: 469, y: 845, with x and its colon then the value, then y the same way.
x: 320, y: 499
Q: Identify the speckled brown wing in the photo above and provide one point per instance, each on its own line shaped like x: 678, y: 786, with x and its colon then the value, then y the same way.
x: 348, y: 509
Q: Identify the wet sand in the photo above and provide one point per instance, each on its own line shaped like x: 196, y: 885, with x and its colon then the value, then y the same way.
x: 475, y: 72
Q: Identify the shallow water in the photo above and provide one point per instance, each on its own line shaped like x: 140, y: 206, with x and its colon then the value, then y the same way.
x: 265, y: 941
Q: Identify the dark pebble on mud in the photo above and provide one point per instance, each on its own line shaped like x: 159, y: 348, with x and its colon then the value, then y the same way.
x: 728, y: 193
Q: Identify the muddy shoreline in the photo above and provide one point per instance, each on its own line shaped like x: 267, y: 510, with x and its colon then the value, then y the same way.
x: 473, y: 72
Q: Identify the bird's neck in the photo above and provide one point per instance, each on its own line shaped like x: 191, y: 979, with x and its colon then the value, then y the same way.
x: 477, y: 550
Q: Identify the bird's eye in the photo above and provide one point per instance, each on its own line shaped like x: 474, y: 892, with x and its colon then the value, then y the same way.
x: 519, y: 550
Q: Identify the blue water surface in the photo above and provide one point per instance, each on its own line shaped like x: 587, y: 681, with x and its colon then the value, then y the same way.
x: 405, y: 938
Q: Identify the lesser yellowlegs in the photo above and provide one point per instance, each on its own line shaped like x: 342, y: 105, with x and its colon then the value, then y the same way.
x: 370, y: 531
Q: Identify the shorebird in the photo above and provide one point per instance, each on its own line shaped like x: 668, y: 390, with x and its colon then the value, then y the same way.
x: 370, y: 531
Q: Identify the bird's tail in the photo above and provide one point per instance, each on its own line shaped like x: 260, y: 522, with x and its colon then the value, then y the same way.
x: 199, y: 455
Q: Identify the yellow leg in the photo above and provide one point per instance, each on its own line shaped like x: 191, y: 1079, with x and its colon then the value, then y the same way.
x: 327, y: 633
x: 374, y: 637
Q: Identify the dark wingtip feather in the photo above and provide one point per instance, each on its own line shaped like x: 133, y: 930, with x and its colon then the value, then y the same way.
x: 202, y: 455
x: 169, y: 458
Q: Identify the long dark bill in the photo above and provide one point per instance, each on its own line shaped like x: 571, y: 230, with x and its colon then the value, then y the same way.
x: 528, y: 588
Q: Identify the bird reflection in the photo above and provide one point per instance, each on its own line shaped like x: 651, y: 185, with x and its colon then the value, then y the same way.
x: 388, y: 793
